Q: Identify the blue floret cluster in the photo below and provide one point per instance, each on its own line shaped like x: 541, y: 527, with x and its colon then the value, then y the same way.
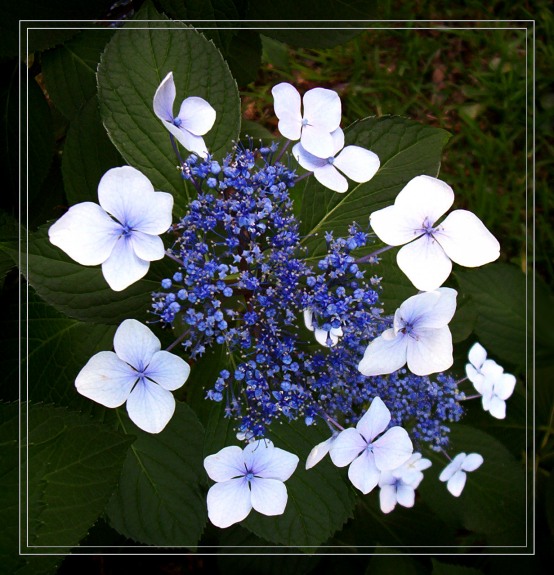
x: 243, y: 284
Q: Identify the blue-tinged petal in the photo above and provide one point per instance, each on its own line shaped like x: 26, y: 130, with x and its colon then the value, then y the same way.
x: 466, y: 240
x: 384, y: 356
x: 164, y: 98
x: 280, y: 465
x: 456, y: 483
x: 319, y: 452
x: 453, y: 467
x: 363, y: 473
x: 86, y: 233
x: 146, y: 247
x: 229, y: 502
x: 317, y: 141
x: 322, y: 108
x: 425, y: 263
x: 357, y: 163
x: 150, y: 407
x: 168, y: 370
x: 387, y: 498
x: 225, y: 464
x: 106, y: 379
x: 439, y: 312
x: 268, y: 496
x: 374, y: 420
x: 189, y: 141
x: 431, y: 352
x: 196, y: 115
x: 472, y: 462
x: 123, y: 267
x: 286, y: 103
x: 392, y: 449
x: 346, y: 447
x: 405, y: 495
x: 257, y: 455
x: 477, y: 355
x: 331, y: 178
x: 135, y: 344
x: 393, y: 227
x: 306, y: 160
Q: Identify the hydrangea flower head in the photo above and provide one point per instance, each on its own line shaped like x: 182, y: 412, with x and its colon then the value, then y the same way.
x: 196, y: 117
x: 455, y: 472
x: 122, y: 232
x: 431, y: 248
x: 248, y: 478
x: 138, y: 373
x: 313, y: 125
x: 490, y: 381
x: 357, y: 163
x: 368, y: 450
x: 420, y: 336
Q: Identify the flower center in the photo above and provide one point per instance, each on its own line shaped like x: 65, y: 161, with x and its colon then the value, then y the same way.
x: 177, y: 122
x: 330, y: 160
x: 427, y: 228
x: 126, y: 230
x: 249, y: 476
x: 304, y: 122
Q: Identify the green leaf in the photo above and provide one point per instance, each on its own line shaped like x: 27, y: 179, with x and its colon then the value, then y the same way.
x: 126, y: 87
x: 244, y: 56
x: 70, y: 69
x: 88, y: 154
x: 159, y: 500
x: 319, y: 500
x: 73, y: 466
x: 405, y: 148
x: 494, y: 498
x: 81, y: 292
x: 498, y: 292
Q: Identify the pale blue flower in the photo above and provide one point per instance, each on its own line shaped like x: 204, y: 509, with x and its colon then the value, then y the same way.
x: 138, y: 373
x: 455, y: 472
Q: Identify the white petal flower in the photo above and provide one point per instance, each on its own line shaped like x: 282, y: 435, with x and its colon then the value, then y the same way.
x: 327, y: 338
x: 461, y: 237
x: 357, y: 163
x: 410, y: 472
x: 490, y: 381
x: 320, y: 451
x: 248, y: 478
x: 419, y: 336
x: 368, y: 451
x: 394, y: 490
x: 122, y: 232
x: 196, y: 117
x: 312, y: 126
x: 455, y: 472
x: 138, y: 373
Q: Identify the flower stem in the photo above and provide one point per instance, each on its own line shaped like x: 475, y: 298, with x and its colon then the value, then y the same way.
x: 283, y: 150
x: 302, y: 177
x: 367, y: 258
x: 174, y: 258
x: 471, y: 397
x: 178, y: 340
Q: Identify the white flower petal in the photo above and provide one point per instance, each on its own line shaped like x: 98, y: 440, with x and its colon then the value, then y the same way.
x: 197, y: 115
x: 146, y: 247
x: 357, y: 163
x: 477, y: 355
x: 405, y: 495
x: 123, y: 267
x: 308, y: 319
x: 363, y: 473
x: 135, y: 343
x: 452, y: 467
x: 268, y: 496
x: 106, y: 379
x: 325, y: 338
x: 346, y: 447
x: 331, y: 178
x: 497, y: 408
x: 164, y: 98
x: 472, y: 462
x: 425, y: 198
x: 286, y: 103
x: 270, y: 462
x: 425, y: 263
x: 456, y: 483
x: 322, y: 108
x: 229, y: 502
x: 338, y: 141
x: 387, y: 498
x: 431, y: 352
x: 475, y: 377
x: 392, y: 449
x: 317, y: 141
x: 86, y: 233
x: 384, y: 356
x: 466, y: 240
x: 395, y: 227
x: 150, y: 407
x: 225, y: 464
x: 168, y: 370
x: 319, y: 452
x: 438, y: 312
x: 374, y: 421
x: 306, y: 160
x: 504, y: 386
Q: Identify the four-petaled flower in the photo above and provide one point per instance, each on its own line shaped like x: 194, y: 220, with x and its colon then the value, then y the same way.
x: 419, y: 336
x: 321, y: 116
x: 455, y: 472
x: 490, y: 381
x: 248, y: 478
x: 138, y: 373
x: 357, y: 163
x: 320, y: 451
x: 368, y: 450
x: 196, y: 117
x: 327, y: 338
x: 122, y: 232
x: 461, y: 237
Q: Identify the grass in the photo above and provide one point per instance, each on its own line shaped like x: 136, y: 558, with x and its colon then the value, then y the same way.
x: 474, y: 83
